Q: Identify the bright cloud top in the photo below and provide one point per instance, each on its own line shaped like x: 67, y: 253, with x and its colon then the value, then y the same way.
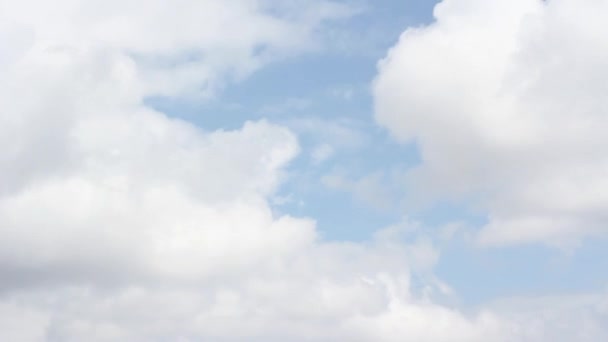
x: 506, y: 101
x: 119, y: 223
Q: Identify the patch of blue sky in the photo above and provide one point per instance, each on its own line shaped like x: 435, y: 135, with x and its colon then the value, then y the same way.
x: 481, y: 274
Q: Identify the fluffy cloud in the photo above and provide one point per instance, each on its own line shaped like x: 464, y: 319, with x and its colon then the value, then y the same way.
x: 506, y: 103
x: 119, y: 223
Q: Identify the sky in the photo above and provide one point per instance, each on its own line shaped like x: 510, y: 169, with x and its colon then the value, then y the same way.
x: 319, y: 170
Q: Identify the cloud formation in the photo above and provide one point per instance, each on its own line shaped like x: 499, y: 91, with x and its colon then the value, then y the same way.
x: 119, y: 223
x: 506, y: 102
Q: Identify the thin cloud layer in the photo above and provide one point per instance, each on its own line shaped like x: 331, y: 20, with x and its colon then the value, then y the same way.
x: 506, y: 101
x: 181, y: 48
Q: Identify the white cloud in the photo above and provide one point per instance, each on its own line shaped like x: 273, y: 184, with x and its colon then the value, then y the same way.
x: 114, y: 184
x: 118, y: 223
x: 182, y: 47
x: 505, y: 100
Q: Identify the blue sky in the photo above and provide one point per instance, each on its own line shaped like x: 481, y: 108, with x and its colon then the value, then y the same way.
x: 303, y: 170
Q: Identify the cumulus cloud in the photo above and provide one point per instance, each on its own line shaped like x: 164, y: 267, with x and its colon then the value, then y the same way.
x: 505, y: 100
x: 119, y: 223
